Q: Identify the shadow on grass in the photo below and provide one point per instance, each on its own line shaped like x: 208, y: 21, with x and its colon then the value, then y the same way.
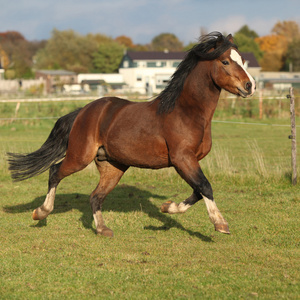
x: 123, y: 198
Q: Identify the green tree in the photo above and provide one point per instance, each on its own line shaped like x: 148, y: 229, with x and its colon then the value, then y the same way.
x: 108, y: 57
x: 166, y: 41
x: 248, y: 44
x: 189, y: 46
x: 245, y: 39
x: 293, y: 55
x: 67, y: 50
x: 246, y: 31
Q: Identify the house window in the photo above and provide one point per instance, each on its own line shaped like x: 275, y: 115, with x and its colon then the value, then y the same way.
x: 141, y: 64
x: 151, y: 64
x: 139, y: 78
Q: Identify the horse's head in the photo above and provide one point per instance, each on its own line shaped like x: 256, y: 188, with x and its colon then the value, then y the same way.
x: 215, y: 58
x: 229, y: 73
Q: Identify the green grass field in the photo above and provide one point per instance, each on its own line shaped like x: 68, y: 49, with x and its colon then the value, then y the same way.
x: 153, y: 255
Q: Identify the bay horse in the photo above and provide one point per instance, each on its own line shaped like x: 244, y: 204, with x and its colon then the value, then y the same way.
x: 172, y: 130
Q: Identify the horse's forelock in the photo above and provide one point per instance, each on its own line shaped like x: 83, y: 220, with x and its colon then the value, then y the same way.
x: 212, y: 45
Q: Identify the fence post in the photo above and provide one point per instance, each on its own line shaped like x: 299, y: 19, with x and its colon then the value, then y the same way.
x: 260, y: 104
x: 293, y: 136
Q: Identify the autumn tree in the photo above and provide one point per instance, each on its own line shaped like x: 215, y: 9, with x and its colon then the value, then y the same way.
x: 167, y: 41
x: 289, y: 29
x: 4, y: 60
x: 16, y: 54
x: 275, y: 46
x: 125, y: 41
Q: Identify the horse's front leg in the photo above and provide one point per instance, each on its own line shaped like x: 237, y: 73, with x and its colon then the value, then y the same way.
x: 188, y: 168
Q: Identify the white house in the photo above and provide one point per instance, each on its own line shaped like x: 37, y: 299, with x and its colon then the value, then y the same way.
x: 149, y: 72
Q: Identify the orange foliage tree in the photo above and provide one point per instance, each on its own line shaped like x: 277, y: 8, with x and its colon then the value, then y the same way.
x: 275, y: 46
x: 4, y: 60
x: 125, y: 41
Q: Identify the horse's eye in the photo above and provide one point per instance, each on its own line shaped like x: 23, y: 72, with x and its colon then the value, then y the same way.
x: 225, y: 62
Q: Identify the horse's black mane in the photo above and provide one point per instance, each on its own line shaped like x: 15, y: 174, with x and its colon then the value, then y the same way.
x: 215, y: 40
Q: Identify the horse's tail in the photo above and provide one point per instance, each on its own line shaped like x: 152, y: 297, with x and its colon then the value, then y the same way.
x: 24, y: 166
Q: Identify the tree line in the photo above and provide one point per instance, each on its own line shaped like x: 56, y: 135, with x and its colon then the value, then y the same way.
x: 99, y: 53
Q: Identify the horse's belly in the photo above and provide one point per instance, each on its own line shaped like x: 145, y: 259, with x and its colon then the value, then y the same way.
x: 139, y: 152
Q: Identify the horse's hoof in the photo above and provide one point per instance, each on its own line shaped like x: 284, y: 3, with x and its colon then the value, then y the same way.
x: 105, y: 232
x: 35, y: 215
x: 223, y: 228
x: 165, y: 206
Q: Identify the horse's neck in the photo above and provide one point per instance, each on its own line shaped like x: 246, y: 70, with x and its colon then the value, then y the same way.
x: 199, y: 91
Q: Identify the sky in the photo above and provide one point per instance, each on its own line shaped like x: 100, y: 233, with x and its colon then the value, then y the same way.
x: 142, y: 20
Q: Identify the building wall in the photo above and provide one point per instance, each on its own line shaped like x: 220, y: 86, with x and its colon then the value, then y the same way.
x: 146, y: 80
x: 109, y: 78
x: 16, y: 85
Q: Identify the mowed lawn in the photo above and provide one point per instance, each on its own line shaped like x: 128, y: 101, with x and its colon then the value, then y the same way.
x: 153, y: 255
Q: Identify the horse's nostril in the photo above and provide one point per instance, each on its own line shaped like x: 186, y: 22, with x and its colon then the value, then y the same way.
x: 248, y: 86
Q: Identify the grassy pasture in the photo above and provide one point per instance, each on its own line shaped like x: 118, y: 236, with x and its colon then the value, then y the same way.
x: 153, y: 255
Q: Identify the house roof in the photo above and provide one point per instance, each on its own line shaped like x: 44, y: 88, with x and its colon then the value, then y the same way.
x: 155, y: 55
x: 252, y: 62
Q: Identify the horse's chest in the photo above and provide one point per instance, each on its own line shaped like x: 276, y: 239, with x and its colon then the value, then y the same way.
x: 204, y: 146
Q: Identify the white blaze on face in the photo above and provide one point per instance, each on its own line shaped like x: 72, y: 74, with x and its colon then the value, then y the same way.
x: 238, y: 59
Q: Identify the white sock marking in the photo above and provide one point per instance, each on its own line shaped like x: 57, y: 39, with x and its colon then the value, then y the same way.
x: 49, y: 201
x: 180, y: 208
x: 213, y: 211
x: 95, y: 219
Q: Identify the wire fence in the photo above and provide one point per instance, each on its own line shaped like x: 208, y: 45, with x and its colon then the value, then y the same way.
x: 85, y: 98
x: 213, y: 121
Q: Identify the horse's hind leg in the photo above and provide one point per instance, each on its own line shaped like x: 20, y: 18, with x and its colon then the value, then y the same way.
x: 57, y: 172
x: 43, y: 211
x: 110, y: 175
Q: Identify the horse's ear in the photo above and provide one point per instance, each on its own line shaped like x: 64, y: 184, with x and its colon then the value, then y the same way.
x: 230, y: 38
